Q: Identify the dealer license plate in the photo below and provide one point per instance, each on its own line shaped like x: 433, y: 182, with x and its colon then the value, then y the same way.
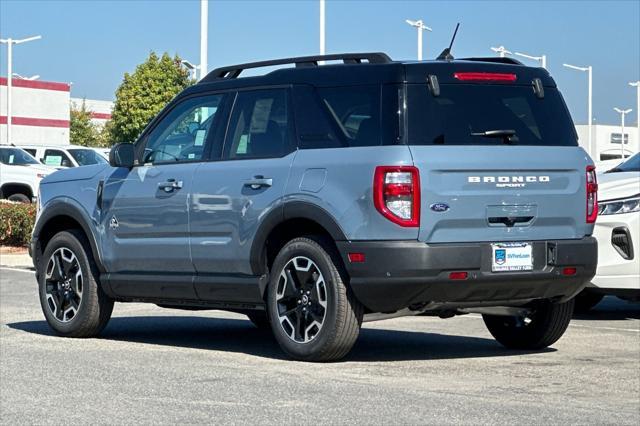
x: 511, y: 257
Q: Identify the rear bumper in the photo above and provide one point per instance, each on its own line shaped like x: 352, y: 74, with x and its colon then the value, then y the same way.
x: 398, y: 274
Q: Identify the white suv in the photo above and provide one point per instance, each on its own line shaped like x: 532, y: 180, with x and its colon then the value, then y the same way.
x: 63, y: 156
x: 20, y: 174
x: 618, y: 234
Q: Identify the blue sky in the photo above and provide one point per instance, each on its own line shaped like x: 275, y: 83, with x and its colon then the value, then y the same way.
x: 92, y: 43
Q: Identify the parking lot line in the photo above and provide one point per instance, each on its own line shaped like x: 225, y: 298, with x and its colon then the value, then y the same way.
x: 17, y: 270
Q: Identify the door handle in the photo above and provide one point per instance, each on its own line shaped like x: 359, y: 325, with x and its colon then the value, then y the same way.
x: 259, y: 182
x: 170, y: 185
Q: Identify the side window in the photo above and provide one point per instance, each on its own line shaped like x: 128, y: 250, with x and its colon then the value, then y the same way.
x: 182, y: 134
x: 356, y: 112
x: 259, y: 125
x: 30, y: 151
x: 56, y: 158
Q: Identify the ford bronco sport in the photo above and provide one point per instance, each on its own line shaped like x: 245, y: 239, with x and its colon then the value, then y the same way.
x: 343, y: 189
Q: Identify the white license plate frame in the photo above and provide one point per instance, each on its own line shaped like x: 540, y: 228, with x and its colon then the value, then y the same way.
x: 511, y: 257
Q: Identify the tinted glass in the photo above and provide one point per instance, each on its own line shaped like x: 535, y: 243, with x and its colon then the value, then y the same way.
x: 259, y: 125
x: 465, y: 109
x: 56, y: 158
x: 86, y: 157
x: 16, y: 157
x: 181, y: 135
x: 356, y: 113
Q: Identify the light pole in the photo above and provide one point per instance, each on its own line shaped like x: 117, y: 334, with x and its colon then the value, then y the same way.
x: 501, y: 51
x: 193, y: 69
x: 204, y: 28
x: 622, y: 113
x: 322, y: 26
x: 10, y: 42
x: 542, y: 59
x: 589, y: 70
x: 637, y: 86
x: 421, y: 27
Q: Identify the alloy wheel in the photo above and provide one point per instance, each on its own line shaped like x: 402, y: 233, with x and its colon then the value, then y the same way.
x: 301, y: 299
x: 63, y: 284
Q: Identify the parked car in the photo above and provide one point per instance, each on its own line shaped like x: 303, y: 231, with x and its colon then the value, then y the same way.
x: 104, y: 152
x: 316, y: 197
x: 20, y: 175
x: 65, y: 156
x: 618, y: 233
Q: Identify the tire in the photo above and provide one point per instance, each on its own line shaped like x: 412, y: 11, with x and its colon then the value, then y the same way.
x: 19, y: 198
x: 260, y: 320
x: 547, y: 324
x: 73, y: 305
x: 329, y: 312
x: 586, y: 300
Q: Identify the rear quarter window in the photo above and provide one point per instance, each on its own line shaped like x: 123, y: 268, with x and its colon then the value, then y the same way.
x: 463, y: 111
x: 352, y: 116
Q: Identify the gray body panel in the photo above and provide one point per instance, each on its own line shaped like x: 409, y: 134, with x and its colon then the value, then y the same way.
x: 226, y: 213
x: 555, y: 208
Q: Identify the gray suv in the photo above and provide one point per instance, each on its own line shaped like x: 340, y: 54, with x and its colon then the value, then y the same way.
x: 321, y: 195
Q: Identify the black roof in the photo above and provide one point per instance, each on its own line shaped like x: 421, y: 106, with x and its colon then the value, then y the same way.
x: 363, y: 68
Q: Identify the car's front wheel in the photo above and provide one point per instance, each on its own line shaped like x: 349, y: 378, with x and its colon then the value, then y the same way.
x: 314, y: 316
x: 72, y: 301
x: 545, y: 324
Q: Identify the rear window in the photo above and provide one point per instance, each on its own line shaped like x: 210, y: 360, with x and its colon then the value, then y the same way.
x: 485, y: 114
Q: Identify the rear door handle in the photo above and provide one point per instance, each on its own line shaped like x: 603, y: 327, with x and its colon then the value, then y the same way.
x: 259, y: 182
x: 170, y: 185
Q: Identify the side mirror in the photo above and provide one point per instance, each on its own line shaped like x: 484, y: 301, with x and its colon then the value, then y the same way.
x: 122, y: 155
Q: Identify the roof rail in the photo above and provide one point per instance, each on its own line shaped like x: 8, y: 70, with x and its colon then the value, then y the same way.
x: 495, y: 59
x: 233, y: 71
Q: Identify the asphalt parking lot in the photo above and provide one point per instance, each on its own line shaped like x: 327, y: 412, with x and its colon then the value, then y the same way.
x: 153, y: 365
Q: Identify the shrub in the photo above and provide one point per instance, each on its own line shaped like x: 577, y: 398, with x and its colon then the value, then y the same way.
x: 16, y: 223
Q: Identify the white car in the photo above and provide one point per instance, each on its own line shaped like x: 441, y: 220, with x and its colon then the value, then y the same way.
x: 618, y: 233
x: 63, y: 156
x: 20, y: 174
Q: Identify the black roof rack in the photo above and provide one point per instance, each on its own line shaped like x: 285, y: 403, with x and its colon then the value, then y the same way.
x: 233, y: 71
x: 495, y: 59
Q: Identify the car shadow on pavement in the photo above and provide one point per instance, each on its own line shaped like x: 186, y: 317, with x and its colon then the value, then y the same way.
x: 611, y: 309
x: 240, y: 336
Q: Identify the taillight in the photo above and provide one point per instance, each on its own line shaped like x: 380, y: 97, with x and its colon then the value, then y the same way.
x: 396, y: 194
x: 592, y: 194
x: 485, y: 76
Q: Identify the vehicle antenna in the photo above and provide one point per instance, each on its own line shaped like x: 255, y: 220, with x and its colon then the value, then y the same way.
x: 446, y: 53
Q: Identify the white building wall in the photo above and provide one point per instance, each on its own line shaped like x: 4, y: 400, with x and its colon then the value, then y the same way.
x: 602, y: 137
x: 40, y: 112
x: 100, y: 110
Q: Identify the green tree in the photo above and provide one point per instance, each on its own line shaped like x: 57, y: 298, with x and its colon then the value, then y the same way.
x: 81, y: 130
x: 144, y: 93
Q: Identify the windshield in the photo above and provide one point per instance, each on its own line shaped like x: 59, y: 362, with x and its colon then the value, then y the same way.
x: 488, y: 114
x: 631, y: 165
x: 16, y: 157
x: 87, y: 157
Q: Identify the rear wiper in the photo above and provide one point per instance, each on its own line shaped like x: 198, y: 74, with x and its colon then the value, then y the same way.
x: 508, y: 135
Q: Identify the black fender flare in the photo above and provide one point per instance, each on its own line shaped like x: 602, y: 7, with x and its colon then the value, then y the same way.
x: 291, y: 210
x: 65, y: 206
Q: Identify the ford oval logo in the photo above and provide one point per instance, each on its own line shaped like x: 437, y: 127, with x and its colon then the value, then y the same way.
x: 439, y: 207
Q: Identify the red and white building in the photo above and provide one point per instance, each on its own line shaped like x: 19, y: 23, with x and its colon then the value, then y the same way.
x: 41, y: 112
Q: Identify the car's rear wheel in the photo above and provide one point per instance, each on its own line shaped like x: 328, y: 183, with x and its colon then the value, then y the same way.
x: 543, y: 327
x: 314, y: 315
x: 72, y: 301
x: 586, y: 300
